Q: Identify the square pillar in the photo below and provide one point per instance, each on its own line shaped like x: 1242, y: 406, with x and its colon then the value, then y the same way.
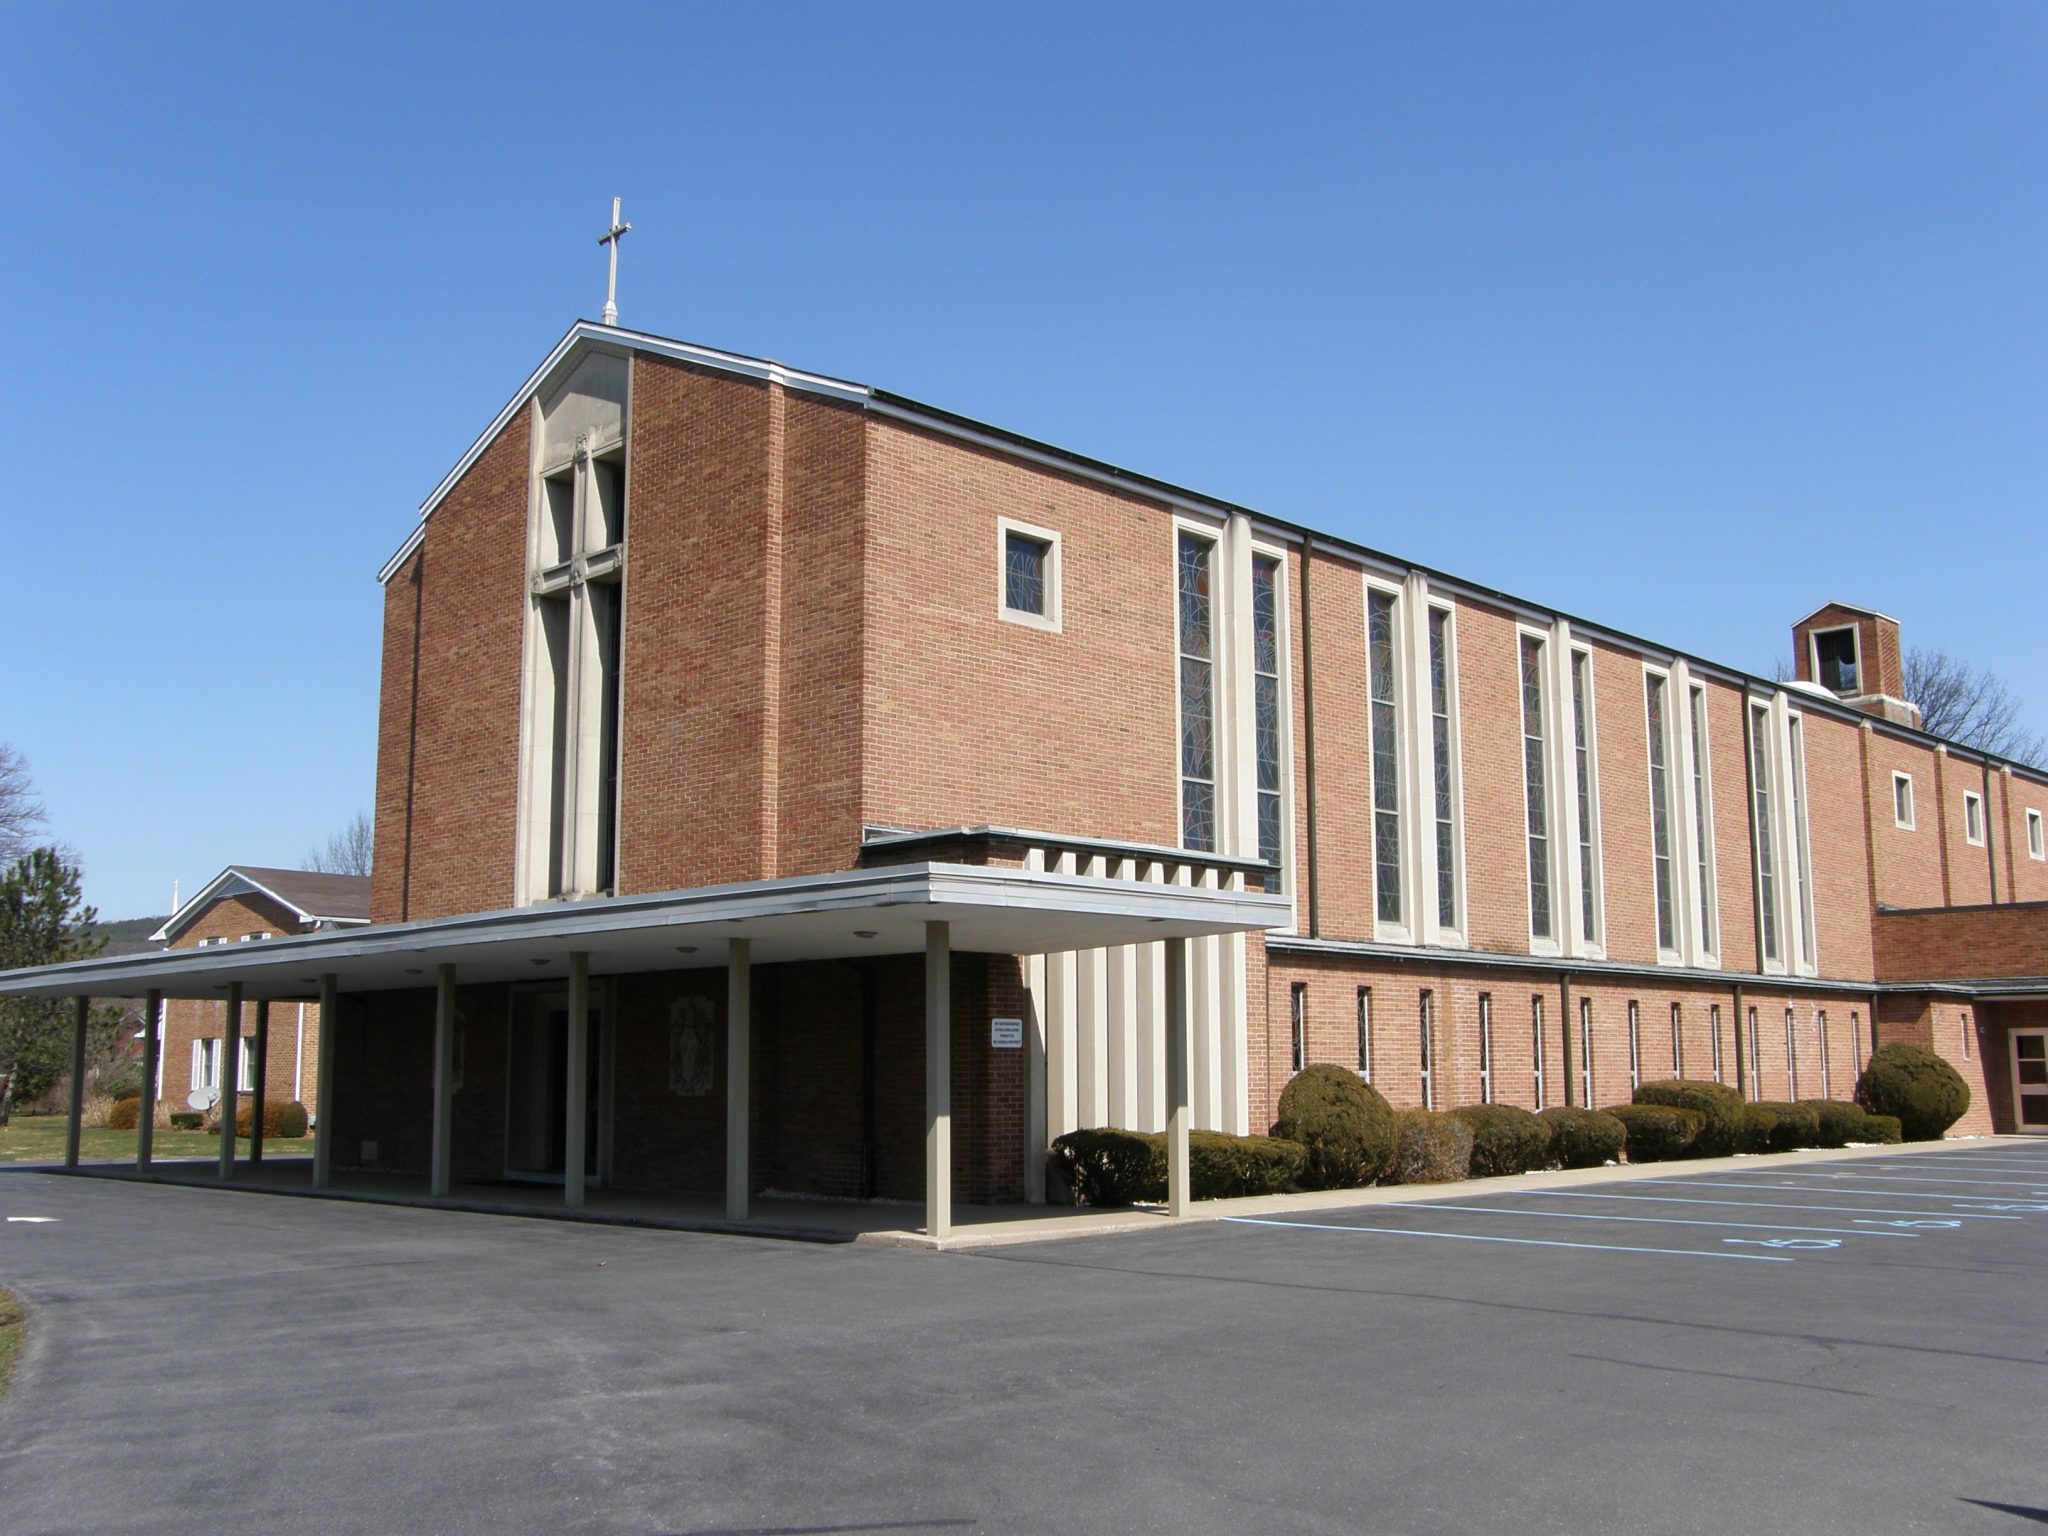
x: 230, y: 1075
x: 323, y: 1089
x: 577, y: 1080
x: 74, y: 1127
x: 152, y: 1047
x: 444, y: 1077
x: 1178, y: 1045
x: 938, y: 1079
x: 259, y: 1079
x: 739, y: 1077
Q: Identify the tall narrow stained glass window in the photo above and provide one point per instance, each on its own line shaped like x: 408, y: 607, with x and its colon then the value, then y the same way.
x: 1655, y: 688
x: 1024, y: 560
x: 1582, y: 757
x: 1766, y: 848
x: 1197, y: 590
x: 1386, y: 779
x: 1540, y: 923
x: 1802, y: 850
x: 1440, y: 756
x: 1266, y: 702
x: 1703, y: 819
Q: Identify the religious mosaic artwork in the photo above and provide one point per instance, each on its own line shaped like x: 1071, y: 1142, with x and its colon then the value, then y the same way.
x: 689, y: 1047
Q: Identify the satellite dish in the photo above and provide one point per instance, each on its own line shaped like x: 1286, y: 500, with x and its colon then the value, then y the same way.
x: 203, y: 1098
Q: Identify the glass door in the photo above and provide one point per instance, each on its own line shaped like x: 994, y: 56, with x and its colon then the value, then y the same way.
x: 2030, y: 1081
x: 536, y: 1088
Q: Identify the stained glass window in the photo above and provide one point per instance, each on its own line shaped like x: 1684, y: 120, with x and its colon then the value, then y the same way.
x: 1386, y: 778
x: 1196, y: 563
x: 1024, y: 560
x: 1266, y: 702
x: 1582, y: 742
x: 1540, y: 924
x: 1440, y: 751
x: 1766, y: 849
x: 1660, y: 811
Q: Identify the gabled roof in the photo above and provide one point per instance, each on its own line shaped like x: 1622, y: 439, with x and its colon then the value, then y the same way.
x: 313, y: 897
x: 1868, y: 613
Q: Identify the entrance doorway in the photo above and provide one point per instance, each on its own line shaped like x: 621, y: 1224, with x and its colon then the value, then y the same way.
x: 537, y: 1082
x: 2030, y: 1081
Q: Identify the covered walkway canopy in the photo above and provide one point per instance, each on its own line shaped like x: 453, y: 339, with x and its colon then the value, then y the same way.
x: 930, y: 908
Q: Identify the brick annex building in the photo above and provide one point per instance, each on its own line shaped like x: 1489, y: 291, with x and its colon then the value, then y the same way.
x: 772, y: 718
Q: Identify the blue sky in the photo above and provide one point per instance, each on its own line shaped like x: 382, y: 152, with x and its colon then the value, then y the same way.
x: 1685, y: 318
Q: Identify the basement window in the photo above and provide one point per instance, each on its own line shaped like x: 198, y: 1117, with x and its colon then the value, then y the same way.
x: 1030, y: 560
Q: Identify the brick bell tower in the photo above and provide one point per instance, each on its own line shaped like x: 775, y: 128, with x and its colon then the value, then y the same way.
x: 1854, y: 654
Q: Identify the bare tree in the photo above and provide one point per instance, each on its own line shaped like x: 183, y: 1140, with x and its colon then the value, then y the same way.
x: 21, y: 813
x: 1970, y: 705
x: 347, y: 852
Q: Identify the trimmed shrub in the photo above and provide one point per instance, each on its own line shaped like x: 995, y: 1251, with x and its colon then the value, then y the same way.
x: 187, y: 1119
x: 1430, y: 1148
x: 1657, y: 1133
x: 1925, y: 1093
x: 1221, y: 1167
x: 1505, y: 1139
x: 1111, y: 1167
x: 282, y: 1121
x: 1840, y: 1121
x: 1881, y: 1129
x: 1583, y: 1138
x: 1719, y: 1104
x: 1345, y: 1126
x: 1792, y: 1125
x: 125, y: 1115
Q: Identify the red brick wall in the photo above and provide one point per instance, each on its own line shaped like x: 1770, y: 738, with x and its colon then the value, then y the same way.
x: 1953, y: 1030
x: 1490, y: 742
x: 1842, y: 901
x: 1965, y: 943
x: 1907, y: 864
x: 2024, y: 877
x: 1343, y: 760
x: 448, y: 717
x: 972, y: 718
x: 189, y: 1019
x: 1734, y: 812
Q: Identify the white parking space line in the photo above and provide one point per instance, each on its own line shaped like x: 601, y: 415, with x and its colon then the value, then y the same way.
x: 1657, y: 1221
x: 1955, y: 1201
x: 1758, y: 1205
x: 2031, y: 1186
x: 1525, y: 1242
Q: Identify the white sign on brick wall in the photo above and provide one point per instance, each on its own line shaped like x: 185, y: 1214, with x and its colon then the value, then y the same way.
x: 1006, y: 1034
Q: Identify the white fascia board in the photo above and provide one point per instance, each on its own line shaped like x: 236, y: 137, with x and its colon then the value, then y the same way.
x: 216, y: 889
x: 559, y: 927
x: 585, y: 335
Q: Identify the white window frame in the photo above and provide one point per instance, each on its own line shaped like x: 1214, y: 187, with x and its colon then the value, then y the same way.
x: 1789, y: 834
x: 1556, y: 824
x: 1053, y: 619
x: 1696, y: 822
x: 1536, y: 1063
x: 1798, y: 814
x: 1297, y: 1025
x: 1283, y: 625
x: 2037, y: 836
x: 1590, y: 944
x: 1673, y: 953
x: 245, y: 1064
x: 1973, y: 813
x: 1905, y: 823
x: 1827, y: 1076
x: 1586, y: 1052
x: 1714, y: 1021
x: 206, y: 1064
x: 1791, y: 1054
x: 1219, y: 745
x: 1677, y: 1039
x: 1486, y: 1047
x: 1451, y: 935
x: 1756, y: 1086
x: 1365, y: 1033
x: 1635, y: 1045
x: 1963, y: 1030
x: 1426, y: 1009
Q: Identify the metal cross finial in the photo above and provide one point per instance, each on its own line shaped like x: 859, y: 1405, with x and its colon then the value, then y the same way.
x: 611, y: 238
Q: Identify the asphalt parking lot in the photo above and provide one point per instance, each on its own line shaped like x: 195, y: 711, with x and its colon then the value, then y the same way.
x: 1842, y: 1347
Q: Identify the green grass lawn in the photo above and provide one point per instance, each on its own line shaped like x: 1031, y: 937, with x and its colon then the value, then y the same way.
x: 13, y: 1325
x: 40, y: 1139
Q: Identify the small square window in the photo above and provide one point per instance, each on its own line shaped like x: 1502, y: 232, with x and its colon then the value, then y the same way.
x: 1029, y: 576
x: 1902, y: 800
x: 1973, y: 817
x: 2035, y: 837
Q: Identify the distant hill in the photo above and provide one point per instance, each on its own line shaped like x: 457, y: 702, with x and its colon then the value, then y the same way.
x: 130, y: 936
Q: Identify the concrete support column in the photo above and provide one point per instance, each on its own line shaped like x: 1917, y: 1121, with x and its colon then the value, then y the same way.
x: 739, y: 1078
x: 230, y: 1075
x: 577, y: 1077
x: 1179, y: 1044
x: 444, y: 1078
x: 259, y: 1090
x: 152, y: 1047
x: 938, y: 1079
x: 80, y: 1012
x: 323, y: 1088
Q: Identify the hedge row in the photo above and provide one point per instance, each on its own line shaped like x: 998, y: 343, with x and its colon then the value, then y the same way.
x: 1336, y: 1132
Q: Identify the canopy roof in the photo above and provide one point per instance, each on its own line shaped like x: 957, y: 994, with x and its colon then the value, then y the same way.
x: 994, y: 910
